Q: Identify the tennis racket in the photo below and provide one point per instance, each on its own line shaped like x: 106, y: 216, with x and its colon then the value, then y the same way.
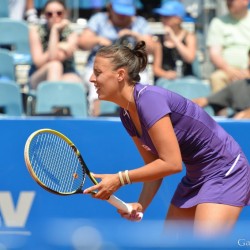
x: 56, y: 164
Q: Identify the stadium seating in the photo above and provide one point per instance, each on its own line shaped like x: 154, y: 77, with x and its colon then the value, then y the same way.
x: 53, y: 96
x: 10, y: 98
x: 190, y: 88
x: 4, y: 10
x: 15, y: 37
x: 7, y: 69
x: 108, y: 108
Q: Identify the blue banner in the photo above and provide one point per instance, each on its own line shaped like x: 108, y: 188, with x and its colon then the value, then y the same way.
x: 31, y: 218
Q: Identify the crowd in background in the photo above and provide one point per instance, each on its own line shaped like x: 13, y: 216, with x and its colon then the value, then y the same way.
x: 211, y: 35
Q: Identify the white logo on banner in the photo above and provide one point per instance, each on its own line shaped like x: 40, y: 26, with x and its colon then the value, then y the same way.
x: 15, y: 216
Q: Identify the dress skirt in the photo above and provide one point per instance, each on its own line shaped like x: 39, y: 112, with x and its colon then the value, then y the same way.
x: 229, y: 185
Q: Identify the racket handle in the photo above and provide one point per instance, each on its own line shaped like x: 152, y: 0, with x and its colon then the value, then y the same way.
x: 121, y: 205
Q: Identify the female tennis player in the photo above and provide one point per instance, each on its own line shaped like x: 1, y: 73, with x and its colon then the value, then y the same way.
x: 168, y: 129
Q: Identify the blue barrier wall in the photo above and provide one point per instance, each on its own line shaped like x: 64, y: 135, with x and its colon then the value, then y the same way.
x: 31, y: 218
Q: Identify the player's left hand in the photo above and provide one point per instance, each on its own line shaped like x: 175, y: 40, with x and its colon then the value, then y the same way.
x: 106, y: 187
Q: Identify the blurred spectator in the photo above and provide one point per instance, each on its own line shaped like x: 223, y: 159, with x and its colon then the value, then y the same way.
x: 92, y: 4
x: 31, y: 13
x: 176, y: 50
x: 192, y: 7
x: 23, y: 9
x: 52, y: 47
x: 235, y: 96
x: 17, y: 9
x: 228, y: 42
x: 119, y: 24
x: 89, y: 7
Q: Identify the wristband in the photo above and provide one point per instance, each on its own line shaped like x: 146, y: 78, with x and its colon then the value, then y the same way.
x: 121, y: 178
x: 127, y: 177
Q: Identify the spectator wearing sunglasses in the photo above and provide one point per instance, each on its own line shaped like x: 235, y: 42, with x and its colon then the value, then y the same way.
x: 52, y: 47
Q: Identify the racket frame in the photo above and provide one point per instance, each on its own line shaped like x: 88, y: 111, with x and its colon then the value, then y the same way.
x: 113, y: 200
x: 74, y: 148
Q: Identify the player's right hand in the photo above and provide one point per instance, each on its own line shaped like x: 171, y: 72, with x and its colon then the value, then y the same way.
x: 136, y: 213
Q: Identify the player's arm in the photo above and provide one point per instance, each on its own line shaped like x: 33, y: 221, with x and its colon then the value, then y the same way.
x: 169, y: 157
x: 149, y: 188
x: 168, y: 162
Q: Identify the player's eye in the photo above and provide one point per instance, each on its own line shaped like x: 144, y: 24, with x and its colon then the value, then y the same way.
x: 97, y: 72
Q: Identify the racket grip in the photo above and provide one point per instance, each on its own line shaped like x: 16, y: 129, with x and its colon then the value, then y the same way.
x: 121, y: 205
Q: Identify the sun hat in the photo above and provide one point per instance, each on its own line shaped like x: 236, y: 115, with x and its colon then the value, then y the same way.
x: 124, y: 7
x: 171, y: 8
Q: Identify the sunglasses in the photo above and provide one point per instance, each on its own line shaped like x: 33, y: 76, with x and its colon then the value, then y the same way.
x: 49, y: 14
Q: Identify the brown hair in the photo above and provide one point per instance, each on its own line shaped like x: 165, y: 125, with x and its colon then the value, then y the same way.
x: 54, y: 1
x: 134, y: 60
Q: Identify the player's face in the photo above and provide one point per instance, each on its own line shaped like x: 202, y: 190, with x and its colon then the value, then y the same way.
x: 104, y: 78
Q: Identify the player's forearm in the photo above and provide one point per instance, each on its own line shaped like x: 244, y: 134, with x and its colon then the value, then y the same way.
x: 155, y: 170
x: 148, y: 192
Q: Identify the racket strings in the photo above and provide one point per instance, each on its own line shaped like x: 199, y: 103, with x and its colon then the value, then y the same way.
x: 74, y: 165
x: 46, y: 174
x: 55, y: 164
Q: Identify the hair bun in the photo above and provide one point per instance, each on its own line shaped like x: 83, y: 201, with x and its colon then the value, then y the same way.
x: 126, y: 40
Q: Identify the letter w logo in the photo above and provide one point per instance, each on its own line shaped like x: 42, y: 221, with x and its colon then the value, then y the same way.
x: 15, y: 217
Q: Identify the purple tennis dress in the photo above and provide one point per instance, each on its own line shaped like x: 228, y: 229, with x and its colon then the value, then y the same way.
x: 217, y: 170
